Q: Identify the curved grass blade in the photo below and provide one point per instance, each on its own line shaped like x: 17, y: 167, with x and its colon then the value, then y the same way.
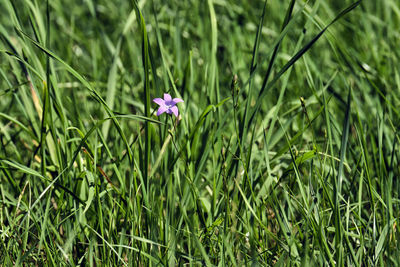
x: 264, y: 90
x: 84, y: 82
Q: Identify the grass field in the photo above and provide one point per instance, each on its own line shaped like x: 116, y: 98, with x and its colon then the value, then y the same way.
x: 285, y: 151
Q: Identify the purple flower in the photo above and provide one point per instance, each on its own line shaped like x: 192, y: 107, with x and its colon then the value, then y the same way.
x: 167, y: 105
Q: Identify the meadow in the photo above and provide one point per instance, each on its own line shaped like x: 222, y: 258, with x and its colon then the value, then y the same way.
x: 285, y: 151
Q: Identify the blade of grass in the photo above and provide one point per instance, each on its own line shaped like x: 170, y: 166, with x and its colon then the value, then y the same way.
x: 84, y: 82
x: 264, y: 90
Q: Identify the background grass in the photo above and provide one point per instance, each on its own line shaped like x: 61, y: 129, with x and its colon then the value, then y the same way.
x: 286, y: 152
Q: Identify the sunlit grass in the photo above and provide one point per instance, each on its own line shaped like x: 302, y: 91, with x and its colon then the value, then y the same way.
x: 285, y: 150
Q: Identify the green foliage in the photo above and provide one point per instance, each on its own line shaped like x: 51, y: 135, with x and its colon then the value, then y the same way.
x: 285, y: 152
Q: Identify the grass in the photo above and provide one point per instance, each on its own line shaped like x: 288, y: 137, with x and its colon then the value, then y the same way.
x: 285, y: 152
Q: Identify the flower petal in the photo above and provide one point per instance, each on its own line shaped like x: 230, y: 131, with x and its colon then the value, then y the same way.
x: 167, y: 97
x: 174, y: 109
x: 159, y: 101
x: 161, y: 110
x: 177, y: 100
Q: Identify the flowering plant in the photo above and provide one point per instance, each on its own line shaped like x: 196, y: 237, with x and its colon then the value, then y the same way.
x: 167, y: 105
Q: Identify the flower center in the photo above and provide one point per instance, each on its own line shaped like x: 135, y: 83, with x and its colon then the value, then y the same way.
x: 169, y: 104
